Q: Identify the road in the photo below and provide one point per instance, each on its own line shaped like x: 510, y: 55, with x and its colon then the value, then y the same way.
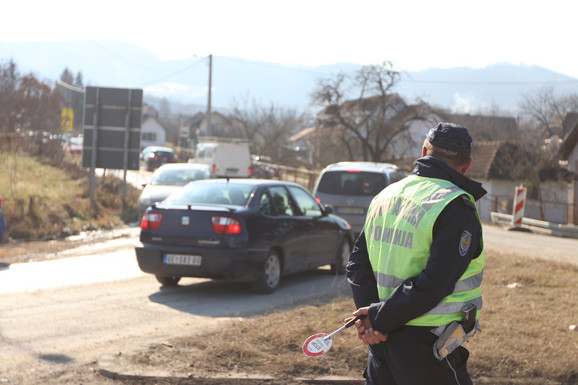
x: 531, y: 245
x: 94, y: 300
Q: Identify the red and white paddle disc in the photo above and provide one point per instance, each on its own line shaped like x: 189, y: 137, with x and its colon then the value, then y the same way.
x: 317, y: 345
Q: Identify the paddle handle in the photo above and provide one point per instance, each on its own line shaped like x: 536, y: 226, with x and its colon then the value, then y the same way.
x: 349, y: 324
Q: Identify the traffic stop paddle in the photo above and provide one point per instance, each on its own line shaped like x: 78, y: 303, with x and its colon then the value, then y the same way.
x: 320, y: 343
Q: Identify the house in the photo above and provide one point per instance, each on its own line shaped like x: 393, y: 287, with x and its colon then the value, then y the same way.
x: 152, y: 133
x: 569, y: 157
x: 198, y: 126
x: 501, y: 166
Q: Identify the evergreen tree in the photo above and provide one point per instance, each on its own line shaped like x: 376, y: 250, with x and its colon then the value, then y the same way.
x: 66, y: 76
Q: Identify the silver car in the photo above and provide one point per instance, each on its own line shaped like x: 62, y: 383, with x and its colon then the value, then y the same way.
x: 349, y: 187
x: 167, y: 179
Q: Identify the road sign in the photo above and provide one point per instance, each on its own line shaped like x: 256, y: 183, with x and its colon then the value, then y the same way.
x: 112, y: 121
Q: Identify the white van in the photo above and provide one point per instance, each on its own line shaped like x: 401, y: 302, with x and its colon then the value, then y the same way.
x: 227, y: 157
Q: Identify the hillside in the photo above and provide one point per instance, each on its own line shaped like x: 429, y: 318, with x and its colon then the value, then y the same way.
x: 184, y: 82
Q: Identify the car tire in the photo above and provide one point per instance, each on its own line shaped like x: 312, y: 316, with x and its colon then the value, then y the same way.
x: 270, y: 274
x: 341, y: 259
x: 168, y: 281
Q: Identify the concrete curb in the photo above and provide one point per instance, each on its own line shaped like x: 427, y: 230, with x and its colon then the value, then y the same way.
x: 111, y: 366
x: 115, y: 366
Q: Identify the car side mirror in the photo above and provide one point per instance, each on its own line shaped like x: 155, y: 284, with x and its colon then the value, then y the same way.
x: 327, y: 210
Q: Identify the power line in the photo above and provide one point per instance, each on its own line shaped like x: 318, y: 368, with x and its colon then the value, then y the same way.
x: 492, y: 83
x: 172, y: 74
x: 122, y: 58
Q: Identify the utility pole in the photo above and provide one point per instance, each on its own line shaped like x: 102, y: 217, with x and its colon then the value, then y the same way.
x: 209, y: 130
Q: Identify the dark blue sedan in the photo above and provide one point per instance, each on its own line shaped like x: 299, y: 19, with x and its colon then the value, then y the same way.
x: 247, y: 229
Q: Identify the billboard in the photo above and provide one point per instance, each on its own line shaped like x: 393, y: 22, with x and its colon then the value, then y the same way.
x: 112, y: 123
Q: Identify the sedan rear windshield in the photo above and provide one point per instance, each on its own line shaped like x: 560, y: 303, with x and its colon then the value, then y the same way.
x: 164, y: 154
x: 226, y: 193
x: 176, y: 177
x: 352, y: 183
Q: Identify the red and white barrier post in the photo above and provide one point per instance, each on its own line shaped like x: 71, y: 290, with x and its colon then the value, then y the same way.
x: 519, y: 205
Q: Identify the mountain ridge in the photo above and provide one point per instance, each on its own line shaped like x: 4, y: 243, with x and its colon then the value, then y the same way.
x: 235, y: 81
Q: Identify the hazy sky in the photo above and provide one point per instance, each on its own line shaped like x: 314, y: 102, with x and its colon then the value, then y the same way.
x: 412, y: 34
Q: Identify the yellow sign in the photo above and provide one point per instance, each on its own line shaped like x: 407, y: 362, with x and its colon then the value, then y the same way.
x: 67, y: 120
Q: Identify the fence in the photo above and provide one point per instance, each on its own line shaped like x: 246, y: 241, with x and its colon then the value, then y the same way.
x: 554, y: 212
x: 304, y: 177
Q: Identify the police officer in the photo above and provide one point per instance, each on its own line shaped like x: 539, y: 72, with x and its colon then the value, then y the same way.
x: 418, y: 263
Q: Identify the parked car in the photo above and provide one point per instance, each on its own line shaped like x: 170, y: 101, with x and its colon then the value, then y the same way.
x: 155, y: 156
x: 3, y: 225
x: 262, y: 166
x: 349, y: 187
x: 169, y: 178
x: 74, y: 145
x: 247, y: 229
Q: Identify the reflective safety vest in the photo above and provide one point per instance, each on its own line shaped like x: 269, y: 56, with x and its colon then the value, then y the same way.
x: 399, y: 234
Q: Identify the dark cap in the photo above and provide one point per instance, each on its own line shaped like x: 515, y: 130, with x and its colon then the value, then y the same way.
x: 450, y: 136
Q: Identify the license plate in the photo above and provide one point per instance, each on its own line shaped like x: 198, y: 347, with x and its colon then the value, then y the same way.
x: 350, y: 210
x: 182, y: 259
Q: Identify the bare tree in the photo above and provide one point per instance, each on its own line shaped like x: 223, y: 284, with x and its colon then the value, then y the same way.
x: 8, y: 83
x: 39, y: 106
x: 370, y: 119
x: 546, y: 110
x: 267, y: 126
x: 541, y: 132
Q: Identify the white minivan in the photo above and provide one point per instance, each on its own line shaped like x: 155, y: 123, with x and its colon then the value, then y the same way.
x: 349, y: 187
x: 228, y: 158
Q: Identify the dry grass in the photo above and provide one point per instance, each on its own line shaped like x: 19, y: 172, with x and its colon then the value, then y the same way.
x: 525, y: 333
x: 526, y: 328
x: 49, y: 199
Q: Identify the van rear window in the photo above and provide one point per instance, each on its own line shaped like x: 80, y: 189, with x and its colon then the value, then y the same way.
x: 352, y: 183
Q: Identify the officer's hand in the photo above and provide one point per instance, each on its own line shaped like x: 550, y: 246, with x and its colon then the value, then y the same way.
x: 365, y: 331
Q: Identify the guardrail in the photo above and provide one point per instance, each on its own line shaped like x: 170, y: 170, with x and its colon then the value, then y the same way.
x: 534, y: 225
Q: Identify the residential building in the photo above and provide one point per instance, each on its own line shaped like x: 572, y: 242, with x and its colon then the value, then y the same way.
x: 152, y: 133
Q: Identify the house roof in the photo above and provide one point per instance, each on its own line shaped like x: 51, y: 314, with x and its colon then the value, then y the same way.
x: 571, y: 139
x: 483, y: 154
x: 508, y: 161
x: 302, y: 134
x: 363, y: 104
x: 197, y: 119
x: 485, y: 128
x: 370, y: 103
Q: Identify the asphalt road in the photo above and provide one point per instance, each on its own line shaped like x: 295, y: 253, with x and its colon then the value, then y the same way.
x: 531, y: 245
x: 94, y: 301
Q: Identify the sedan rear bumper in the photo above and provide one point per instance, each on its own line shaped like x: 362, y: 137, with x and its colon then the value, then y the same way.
x: 215, y: 263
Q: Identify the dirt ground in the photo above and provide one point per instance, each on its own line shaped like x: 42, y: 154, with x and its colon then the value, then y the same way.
x: 88, y: 373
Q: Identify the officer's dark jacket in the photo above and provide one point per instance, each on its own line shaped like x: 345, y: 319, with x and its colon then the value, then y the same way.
x: 445, y: 266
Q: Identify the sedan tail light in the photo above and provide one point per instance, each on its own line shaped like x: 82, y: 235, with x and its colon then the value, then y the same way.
x: 151, y: 221
x: 226, y: 225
